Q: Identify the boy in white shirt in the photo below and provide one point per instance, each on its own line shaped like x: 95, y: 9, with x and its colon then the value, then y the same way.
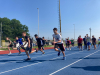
x: 58, y: 42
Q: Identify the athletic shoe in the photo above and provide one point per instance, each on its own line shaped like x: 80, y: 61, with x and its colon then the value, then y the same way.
x: 70, y: 49
x: 28, y: 59
x: 64, y: 58
x: 88, y: 49
x: 58, y: 53
x: 43, y: 53
x: 67, y: 48
x: 9, y: 53
x: 36, y: 50
x: 19, y: 53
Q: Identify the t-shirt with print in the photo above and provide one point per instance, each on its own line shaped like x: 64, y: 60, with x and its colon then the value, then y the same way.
x: 57, y: 38
x: 88, y: 39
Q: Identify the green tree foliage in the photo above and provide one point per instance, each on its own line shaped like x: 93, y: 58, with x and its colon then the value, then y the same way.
x: 12, y: 28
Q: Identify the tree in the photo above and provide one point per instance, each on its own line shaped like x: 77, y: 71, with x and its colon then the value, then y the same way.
x: 12, y: 28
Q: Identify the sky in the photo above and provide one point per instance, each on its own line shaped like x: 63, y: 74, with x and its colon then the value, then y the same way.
x: 84, y: 14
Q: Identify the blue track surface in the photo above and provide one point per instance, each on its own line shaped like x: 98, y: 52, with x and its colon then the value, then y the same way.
x: 76, y: 63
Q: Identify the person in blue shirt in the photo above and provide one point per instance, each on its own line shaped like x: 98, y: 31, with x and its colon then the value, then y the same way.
x: 20, y: 41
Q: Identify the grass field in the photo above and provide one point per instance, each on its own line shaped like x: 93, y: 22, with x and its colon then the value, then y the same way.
x: 5, y: 48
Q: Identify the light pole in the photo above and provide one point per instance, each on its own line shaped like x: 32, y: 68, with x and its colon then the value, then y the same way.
x: 90, y: 32
x: 1, y: 34
x: 38, y: 21
x: 74, y: 32
x: 60, y: 17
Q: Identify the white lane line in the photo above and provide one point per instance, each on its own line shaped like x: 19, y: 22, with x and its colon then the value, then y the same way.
x: 20, y: 68
x: 31, y: 65
x: 73, y: 63
x: 66, y: 55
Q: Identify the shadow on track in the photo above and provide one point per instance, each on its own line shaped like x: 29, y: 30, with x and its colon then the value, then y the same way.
x: 89, y: 68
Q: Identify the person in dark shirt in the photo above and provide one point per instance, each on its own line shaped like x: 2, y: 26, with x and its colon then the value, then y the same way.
x: 43, y: 40
x: 11, y: 45
x: 29, y: 47
x: 85, y: 42
x: 39, y: 43
x: 94, y: 42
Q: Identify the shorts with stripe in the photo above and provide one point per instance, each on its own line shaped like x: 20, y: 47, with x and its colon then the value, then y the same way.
x: 61, y: 46
x: 20, y: 46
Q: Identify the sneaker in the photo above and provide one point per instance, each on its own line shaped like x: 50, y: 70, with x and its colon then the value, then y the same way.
x: 9, y: 53
x: 58, y: 53
x: 67, y: 48
x: 64, y: 58
x: 28, y: 59
x: 36, y: 50
x: 19, y: 53
x: 88, y: 49
x: 43, y: 53
x: 70, y: 49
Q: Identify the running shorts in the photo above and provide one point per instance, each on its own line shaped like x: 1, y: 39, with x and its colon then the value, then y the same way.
x: 40, y: 46
x: 88, y: 43
x: 11, y: 46
x: 80, y: 44
x: 29, y: 48
x: 61, y: 46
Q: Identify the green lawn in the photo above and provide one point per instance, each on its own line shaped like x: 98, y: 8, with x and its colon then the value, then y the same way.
x: 33, y: 47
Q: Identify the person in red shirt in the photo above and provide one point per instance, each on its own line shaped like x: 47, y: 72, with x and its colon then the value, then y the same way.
x: 68, y: 44
x: 80, y: 42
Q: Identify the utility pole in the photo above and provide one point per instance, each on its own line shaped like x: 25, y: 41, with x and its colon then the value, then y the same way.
x: 0, y: 34
x: 74, y: 32
x: 59, y: 17
x: 38, y: 21
x: 90, y: 32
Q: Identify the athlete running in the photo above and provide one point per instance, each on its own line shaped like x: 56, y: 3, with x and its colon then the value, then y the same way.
x: 57, y: 40
x: 85, y: 42
x: 29, y: 47
x: 80, y: 42
x: 88, y: 42
x: 72, y: 42
x: 98, y: 41
x: 39, y: 43
x: 11, y: 45
x: 20, y: 42
x: 68, y: 44
x: 43, y: 40
x: 94, y: 42
x: 77, y: 43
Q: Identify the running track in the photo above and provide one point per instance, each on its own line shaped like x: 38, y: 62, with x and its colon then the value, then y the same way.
x: 76, y: 63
